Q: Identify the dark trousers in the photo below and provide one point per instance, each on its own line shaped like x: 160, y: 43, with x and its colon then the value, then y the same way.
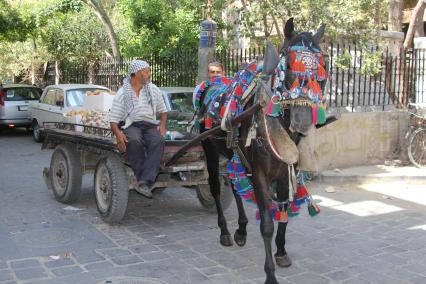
x: 144, y: 148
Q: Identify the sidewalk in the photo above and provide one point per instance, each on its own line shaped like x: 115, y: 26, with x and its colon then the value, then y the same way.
x: 375, y: 173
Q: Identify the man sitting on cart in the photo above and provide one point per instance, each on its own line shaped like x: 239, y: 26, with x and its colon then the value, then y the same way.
x: 142, y: 136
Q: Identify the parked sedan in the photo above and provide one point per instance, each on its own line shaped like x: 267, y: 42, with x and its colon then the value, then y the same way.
x: 56, y: 101
x: 14, y: 101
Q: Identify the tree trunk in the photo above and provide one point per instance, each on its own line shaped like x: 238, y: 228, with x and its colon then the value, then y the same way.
x: 251, y: 30
x: 395, y: 15
x: 99, y: 10
x: 416, y: 24
x: 57, y: 73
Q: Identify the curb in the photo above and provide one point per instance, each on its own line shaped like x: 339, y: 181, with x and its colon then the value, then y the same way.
x: 371, y: 178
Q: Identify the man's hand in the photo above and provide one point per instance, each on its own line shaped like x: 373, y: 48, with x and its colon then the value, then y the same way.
x: 163, y: 123
x: 121, y: 138
x: 162, y: 130
x: 121, y: 142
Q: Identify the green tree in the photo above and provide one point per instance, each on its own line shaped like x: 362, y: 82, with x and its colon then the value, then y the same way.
x: 13, y: 27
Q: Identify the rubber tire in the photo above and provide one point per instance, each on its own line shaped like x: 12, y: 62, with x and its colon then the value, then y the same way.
x: 66, y: 158
x: 112, y: 209
x: 37, y: 135
x: 207, y: 200
x: 419, y: 133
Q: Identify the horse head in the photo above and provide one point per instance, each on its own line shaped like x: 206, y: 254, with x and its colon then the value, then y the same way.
x: 292, y: 91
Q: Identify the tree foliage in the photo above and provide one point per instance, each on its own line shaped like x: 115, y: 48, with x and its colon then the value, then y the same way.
x: 13, y: 25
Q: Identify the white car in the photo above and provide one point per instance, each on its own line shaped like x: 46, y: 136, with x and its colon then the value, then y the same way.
x: 55, y: 102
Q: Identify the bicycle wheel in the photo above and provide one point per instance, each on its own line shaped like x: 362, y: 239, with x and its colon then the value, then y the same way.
x: 417, y: 148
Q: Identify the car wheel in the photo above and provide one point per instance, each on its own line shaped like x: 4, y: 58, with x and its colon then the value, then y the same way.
x: 37, y: 135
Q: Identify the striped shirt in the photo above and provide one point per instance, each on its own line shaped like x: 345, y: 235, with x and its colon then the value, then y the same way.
x: 142, y: 109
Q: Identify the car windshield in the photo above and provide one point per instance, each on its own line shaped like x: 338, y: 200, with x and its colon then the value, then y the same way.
x: 22, y: 94
x: 75, y: 97
x: 181, y: 102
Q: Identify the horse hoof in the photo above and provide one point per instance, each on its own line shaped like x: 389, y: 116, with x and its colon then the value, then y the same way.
x: 239, y: 239
x: 226, y: 240
x: 283, y: 260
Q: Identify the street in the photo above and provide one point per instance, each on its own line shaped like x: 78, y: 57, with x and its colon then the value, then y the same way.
x: 365, y: 233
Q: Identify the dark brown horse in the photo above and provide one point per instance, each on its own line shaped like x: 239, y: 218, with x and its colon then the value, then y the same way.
x: 272, y: 152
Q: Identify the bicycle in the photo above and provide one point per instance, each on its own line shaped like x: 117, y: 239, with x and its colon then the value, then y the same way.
x: 417, y: 135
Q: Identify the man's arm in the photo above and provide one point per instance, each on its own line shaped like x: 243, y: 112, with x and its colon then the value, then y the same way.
x: 163, y: 123
x: 121, y: 138
x: 115, y: 115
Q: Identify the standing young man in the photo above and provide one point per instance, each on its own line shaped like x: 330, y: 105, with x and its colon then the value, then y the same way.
x: 214, y: 69
x: 136, y: 104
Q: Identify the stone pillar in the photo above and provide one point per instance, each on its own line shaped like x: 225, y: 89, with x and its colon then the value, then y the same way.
x: 207, y: 47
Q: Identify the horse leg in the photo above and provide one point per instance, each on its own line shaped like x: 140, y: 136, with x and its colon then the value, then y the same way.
x: 266, y: 228
x: 240, y: 235
x: 281, y: 257
x: 212, y: 158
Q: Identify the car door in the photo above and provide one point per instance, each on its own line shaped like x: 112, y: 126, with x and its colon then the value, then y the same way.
x: 50, y: 108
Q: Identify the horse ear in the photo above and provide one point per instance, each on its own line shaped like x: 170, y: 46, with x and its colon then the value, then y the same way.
x: 289, y: 28
x: 318, y: 36
x: 271, y: 59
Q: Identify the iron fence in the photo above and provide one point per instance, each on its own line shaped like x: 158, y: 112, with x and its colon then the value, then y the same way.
x: 355, y: 80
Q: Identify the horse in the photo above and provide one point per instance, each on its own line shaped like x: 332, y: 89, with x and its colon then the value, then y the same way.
x: 283, y: 101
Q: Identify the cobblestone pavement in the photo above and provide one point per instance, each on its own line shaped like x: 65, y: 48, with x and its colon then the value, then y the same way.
x: 364, y: 234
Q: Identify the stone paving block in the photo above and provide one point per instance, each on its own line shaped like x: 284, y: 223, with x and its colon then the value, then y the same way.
x: 229, y: 260
x: 6, y: 275
x: 160, y: 240
x: 308, y: 277
x: 356, y: 280
x: 103, y: 265
x: 113, y: 252
x: 30, y: 273
x: 214, y: 270
x: 184, y: 254
x: 154, y: 256
x: 67, y: 270
x: 87, y: 257
x: 338, y: 275
x: 228, y: 279
x: 418, y: 280
x: 127, y: 242
x: 376, y: 277
x: 127, y: 259
x: 3, y: 265
x: 172, y: 248
x: 59, y: 263
x: 391, y: 259
x: 416, y: 268
x: 200, y: 262
x: 26, y: 263
x: 143, y: 248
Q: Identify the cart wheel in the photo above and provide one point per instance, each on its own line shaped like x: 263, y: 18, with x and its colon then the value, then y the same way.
x: 417, y: 148
x: 206, y: 199
x: 65, y: 173
x: 111, y: 188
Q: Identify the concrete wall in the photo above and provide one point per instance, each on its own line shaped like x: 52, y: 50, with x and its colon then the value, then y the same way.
x: 360, y: 139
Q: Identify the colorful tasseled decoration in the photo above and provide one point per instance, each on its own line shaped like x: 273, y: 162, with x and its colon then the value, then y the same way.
x: 295, y: 85
x: 314, y: 109
x: 315, y: 87
x: 321, y: 73
x: 273, y: 109
x: 298, y: 68
x: 321, y: 115
x: 281, y: 211
x: 240, y: 181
